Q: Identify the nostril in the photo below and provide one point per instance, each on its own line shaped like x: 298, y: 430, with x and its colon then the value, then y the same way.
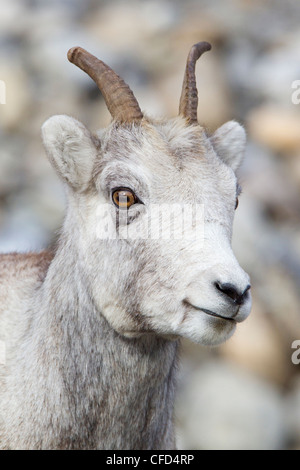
x: 228, y: 289
x: 232, y: 291
x: 246, y: 290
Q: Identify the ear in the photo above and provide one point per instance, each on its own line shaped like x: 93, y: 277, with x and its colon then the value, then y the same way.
x: 229, y: 142
x: 71, y: 150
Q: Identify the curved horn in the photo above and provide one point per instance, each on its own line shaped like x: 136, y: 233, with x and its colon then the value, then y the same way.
x: 118, y: 97
x: 189, y: 95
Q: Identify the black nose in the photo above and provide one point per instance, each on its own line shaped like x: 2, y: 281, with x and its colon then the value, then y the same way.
x: 231, y: 291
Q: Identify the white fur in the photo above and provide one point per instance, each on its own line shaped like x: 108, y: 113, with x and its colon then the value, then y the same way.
x: 70, y: 149
x: 229, y: 143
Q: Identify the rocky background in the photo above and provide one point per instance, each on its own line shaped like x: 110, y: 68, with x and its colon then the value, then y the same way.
x: 246, y: 393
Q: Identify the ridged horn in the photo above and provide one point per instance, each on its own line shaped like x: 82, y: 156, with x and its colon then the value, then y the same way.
x: 189, y: 96
x: 118, y: 97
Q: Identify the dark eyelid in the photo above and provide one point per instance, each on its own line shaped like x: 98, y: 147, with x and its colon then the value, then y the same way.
x: 122, y: 188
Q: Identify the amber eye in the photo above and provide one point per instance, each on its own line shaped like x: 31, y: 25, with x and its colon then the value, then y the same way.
x: 123, y: 198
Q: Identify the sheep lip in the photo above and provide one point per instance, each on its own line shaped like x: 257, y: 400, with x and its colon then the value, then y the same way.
x: 209, y: 312
x: 213, y: 314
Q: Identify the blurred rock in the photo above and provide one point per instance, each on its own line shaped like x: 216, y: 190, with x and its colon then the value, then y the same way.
x: 134, y: 22
x: 269, y: 258
x: 11, y: 166
x: 292, y: 413
x: 221, y: 407
x: 259, y: 346
x: 293, y: 168
x: 269, y: 181
x: 18, y: 98
x: 214, y: 106
x: 10, y: 11
x: 275, y: 127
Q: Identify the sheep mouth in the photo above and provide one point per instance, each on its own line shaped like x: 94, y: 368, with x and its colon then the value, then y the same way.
x: 210, y: 313
x: 213, y: 314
